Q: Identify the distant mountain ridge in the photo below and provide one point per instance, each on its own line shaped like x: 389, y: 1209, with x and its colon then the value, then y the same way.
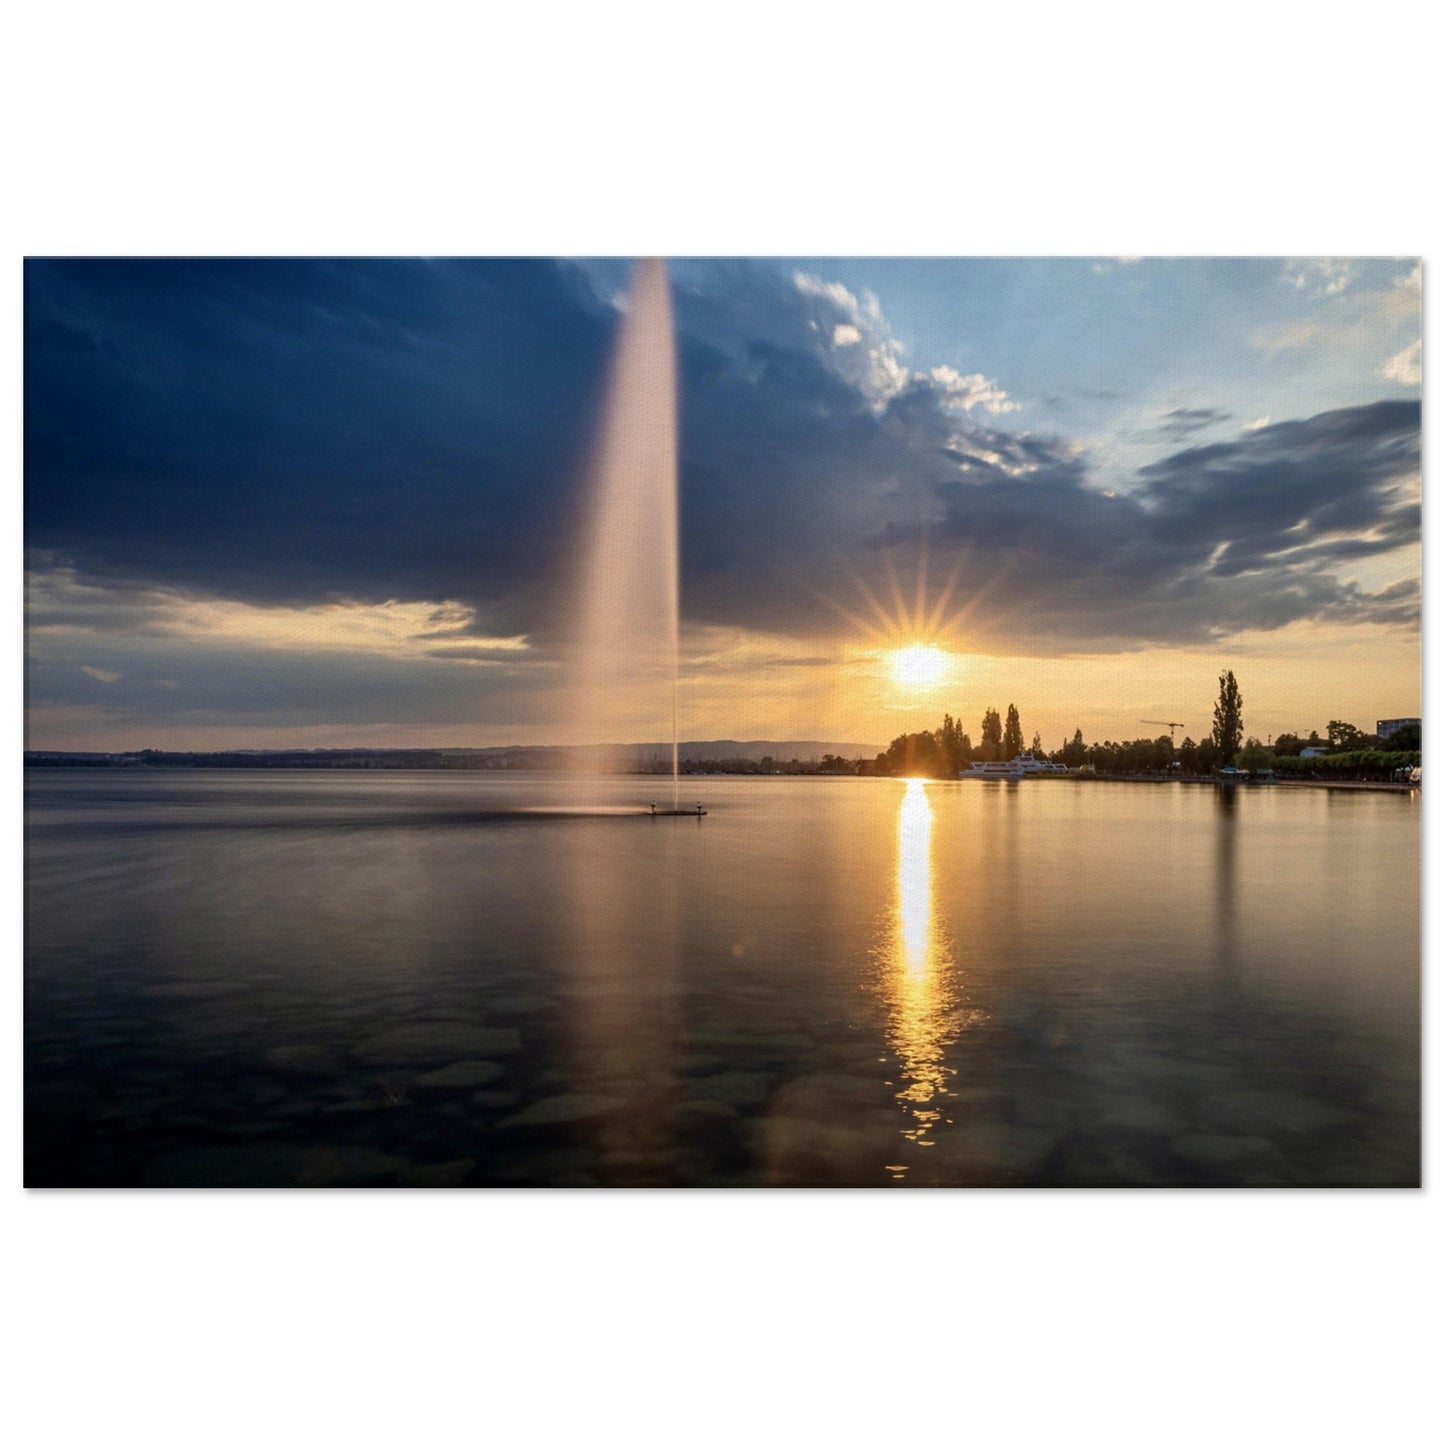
x: 753, y: 750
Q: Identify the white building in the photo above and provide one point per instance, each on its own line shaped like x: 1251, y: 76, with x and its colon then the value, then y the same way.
x: 1389, y: 725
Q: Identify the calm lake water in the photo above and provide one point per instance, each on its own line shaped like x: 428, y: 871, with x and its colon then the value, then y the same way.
x: 420, y: 978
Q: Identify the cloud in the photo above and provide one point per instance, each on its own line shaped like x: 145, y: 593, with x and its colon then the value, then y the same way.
x: 298, y: 432
x: 876, y: 367
x: 1183, y: 421
x: 1320, y: 275
x: 385, y: 460
x: 62, y: 604
x: 1404, y: 366
x: 489, y: 655
x: 1287, y: 498
x: 967, y: 392
x: 194, y: 677
x: 1366, y: 323
x: 1249, y: 534
x: 879, y: 370
x: 1402, y: 298
x: 1291, y: 336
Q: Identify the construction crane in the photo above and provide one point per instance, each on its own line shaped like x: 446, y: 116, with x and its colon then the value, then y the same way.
x: 1156, y: 723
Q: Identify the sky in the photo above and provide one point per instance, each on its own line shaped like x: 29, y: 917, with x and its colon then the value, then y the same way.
x: 321, y: 503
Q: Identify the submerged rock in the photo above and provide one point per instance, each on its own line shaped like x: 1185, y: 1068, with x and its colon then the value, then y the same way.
x: 243, y: 1166
x: 437, y: 1176
x: 435, y: 1043
x: 1225, y: 1150
x: 540, y: 1167
x: 311, y: 1060
x: 465, y: 1075
x: 827, y: 1129
x: 261, y: 1094
x: 515, y: 1005
x: 118, y: 1111
x: 1138, y: 1111
x: 495, y: 1099
x: 709, y: 1110
x: 193, y: 989
x: 1255, y: 1110
x: 348, y: 1164
x: 1109, y: 1157
x: 562, y: 1109
x: 985, y: 1151
x: 740, y: 1090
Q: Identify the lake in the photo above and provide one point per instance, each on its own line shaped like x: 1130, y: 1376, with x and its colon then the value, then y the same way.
x: 352, y: 978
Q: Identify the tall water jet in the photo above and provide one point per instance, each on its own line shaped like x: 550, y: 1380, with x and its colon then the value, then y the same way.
x: 626, y: 667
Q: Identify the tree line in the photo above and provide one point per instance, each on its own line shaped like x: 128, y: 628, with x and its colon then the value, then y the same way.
x: 948, y: 750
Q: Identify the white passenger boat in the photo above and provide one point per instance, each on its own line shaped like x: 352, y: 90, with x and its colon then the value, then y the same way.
x: 1026, y: 765
x: 1006, y: 771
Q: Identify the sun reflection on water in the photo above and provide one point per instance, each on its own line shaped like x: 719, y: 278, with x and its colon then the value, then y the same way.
x: 917, y: 974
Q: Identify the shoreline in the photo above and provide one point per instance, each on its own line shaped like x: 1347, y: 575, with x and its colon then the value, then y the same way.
x: 1365, y: 786
x: 1358, y: 786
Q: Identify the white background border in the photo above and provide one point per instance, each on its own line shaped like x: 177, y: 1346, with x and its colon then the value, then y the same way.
x: 748, y: 129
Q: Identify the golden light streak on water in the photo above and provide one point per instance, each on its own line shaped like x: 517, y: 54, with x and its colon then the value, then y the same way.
x: 923, y: 1016
x: 915, y: 879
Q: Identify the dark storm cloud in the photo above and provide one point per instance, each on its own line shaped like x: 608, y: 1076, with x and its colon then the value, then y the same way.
x: 301, y: 431
x: 1183, y: 421
x: 1238, y: 535
x: 290, y: 431
x: 1334, y: 472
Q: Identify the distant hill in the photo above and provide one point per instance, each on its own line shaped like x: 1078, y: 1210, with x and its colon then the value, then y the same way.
x: 644, y: 755
x: 756, y: 751
x: 752, y: 750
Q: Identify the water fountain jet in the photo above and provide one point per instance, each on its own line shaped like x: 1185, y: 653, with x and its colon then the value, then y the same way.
x: 627, y: 633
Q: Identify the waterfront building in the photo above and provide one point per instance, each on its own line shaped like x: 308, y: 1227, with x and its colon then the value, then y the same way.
x: 1389, y: 725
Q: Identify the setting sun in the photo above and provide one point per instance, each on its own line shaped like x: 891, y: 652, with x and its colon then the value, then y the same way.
x: 919, y: 666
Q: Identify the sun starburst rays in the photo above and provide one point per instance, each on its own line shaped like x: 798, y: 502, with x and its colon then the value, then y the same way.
x: 918, y: 637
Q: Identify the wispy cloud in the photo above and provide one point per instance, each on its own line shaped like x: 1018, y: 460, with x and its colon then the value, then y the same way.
x: 1353, y: 322
x: 1404, y: 366
x: 1320, y: 275
x: 1181, y: 422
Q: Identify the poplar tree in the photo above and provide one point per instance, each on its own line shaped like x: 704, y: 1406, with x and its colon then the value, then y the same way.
x: 991, y: 736
x: 1013, y: 735
x: 1228, y: 719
